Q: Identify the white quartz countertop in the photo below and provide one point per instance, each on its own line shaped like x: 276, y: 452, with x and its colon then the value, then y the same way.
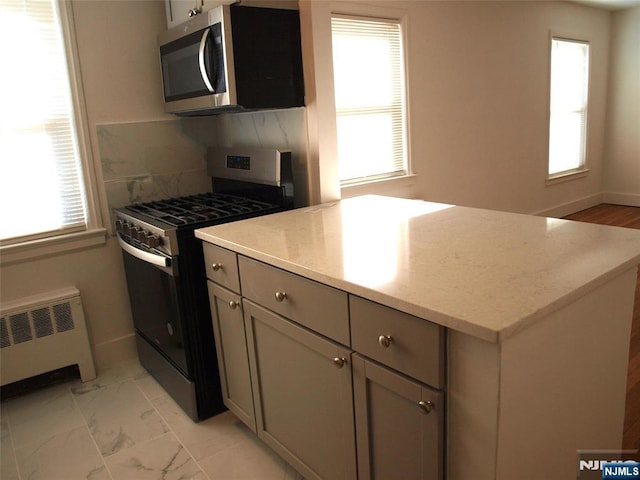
x: 485, y: 273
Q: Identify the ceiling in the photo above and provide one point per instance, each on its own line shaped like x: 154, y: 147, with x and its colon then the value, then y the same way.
x: 610, y: 4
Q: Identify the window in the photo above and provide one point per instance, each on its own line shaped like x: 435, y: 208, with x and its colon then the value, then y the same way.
x: 370, y: 98
x: 568, y: 106
x: 42, y: 190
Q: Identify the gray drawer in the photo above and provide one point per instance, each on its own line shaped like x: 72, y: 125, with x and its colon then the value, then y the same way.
x: 319, y: 307
x: 222, y: 266
x: 416, y: 346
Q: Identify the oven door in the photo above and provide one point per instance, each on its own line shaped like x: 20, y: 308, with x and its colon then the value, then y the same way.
x: 154, y: 294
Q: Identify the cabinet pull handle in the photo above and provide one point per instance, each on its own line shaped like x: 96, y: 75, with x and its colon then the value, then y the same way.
x: 280, y: 296
x: 385, y: 341
x: 426, y: 407
x: 233, y: 304
x: 339, y: 362
x: 216, y: 266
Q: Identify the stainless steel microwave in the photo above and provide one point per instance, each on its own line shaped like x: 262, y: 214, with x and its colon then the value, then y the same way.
x: 232, y: 57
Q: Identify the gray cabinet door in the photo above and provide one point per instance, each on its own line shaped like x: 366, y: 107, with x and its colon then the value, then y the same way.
x: 231, y: 348
x: 396, y: 437
x: 303, y: 391
x: 178, y: 10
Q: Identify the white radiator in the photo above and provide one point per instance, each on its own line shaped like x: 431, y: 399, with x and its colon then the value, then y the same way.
x: 43, y: 333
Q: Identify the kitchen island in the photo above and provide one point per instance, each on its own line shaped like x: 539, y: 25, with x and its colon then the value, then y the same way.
x: 529, y: 321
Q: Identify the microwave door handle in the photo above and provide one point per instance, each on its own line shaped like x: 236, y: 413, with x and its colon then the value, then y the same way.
x: 203, y: 68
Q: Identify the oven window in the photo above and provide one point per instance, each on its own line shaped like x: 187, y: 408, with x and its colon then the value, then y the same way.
x: 155, y: 307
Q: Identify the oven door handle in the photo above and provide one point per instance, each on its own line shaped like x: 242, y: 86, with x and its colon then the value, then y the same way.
x: 152, y: 258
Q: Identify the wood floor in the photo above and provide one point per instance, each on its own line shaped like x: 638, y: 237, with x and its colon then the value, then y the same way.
x: 629, y: 217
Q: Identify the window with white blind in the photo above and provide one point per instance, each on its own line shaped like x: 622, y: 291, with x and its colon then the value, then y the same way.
x: 42, y: 190
x: 569, y: 99
x: 368, y: 65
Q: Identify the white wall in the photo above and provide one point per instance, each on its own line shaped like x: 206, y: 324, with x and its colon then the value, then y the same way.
x: 118, y: 57
x: 479, y: 102
x: 478, y: 75
x: 622, y: 166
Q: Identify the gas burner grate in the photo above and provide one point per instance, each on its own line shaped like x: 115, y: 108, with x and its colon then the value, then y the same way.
x: 204, y: 207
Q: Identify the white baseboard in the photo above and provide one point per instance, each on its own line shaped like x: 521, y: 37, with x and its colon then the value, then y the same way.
x: 629, y: 199
x: 108, y: 354
x: 568, y: 208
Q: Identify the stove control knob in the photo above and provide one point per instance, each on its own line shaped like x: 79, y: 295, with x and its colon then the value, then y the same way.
x: 126, y: 228
x: 138, y: 234
x: 118, y: 225
x: 152, y: 240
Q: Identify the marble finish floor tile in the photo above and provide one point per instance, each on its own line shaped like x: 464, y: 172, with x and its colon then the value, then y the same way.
x: 122, y: 426
x: 127, y: 370
x: 149, y: 387
x: 204, y: 438
x: 249, y: 459
x: 8, y: 467
x: 39, y: 415
x: 161, y: 458
x: 118, y: 415
x: 63, y: 456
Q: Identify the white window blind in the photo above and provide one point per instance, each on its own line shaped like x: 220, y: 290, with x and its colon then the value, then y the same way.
x: 370, y: 98
x: 568, y: 105
x: 41, y: 186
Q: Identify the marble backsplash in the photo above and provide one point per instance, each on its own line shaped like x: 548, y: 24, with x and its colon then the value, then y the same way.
x: 148, y: 161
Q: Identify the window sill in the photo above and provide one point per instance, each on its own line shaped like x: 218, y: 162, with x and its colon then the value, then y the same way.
x: 402, y: 186
x: 567, y: 176
x: 22, y: 252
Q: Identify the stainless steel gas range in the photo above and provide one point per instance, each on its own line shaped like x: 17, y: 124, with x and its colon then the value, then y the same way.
x: 165, y: 273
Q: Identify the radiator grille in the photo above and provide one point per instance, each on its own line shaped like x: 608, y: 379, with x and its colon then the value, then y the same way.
x: 41, y: 322
x: 43, y: 333
x: 4, y: 333
x: 64, y: 319
x: 20, y: 327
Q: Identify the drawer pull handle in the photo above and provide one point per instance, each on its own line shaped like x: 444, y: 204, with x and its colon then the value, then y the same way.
x: 385, y: 341
x: 339, y: 362
x: 233, y: 304
x: 216, y: 266
x: 280, y: 296
x: 426, y: 406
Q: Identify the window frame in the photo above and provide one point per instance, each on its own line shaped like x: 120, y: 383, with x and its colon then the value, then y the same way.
x: 390, y: 181
x: 582, y: 170
x: 94, y: 233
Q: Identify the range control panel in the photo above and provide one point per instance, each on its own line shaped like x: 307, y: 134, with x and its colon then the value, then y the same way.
x: 239, y: 162
x: 256, y: 165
